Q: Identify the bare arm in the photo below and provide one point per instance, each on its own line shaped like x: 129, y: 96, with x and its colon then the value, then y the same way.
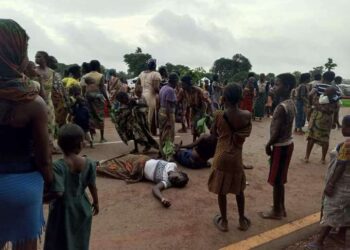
x: 156, y: 190
x: 277, y: 125
x: 42, y: 152
x: 103, y: 88
x: 93, y: 190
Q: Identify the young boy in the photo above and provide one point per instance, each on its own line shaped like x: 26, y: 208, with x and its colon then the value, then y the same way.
x: 70, y: 213
x: 280, y: 146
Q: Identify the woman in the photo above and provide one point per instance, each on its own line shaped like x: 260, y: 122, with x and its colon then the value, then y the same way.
x: 259, y: 106
x: 53, y: 85
x: 24, y: 148
x: 248, y: 95
x: 135, y: 168
x: 96, y: 96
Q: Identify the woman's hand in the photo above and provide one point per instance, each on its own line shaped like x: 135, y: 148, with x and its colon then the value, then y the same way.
x: 166, y: 203
x: 95, y: 208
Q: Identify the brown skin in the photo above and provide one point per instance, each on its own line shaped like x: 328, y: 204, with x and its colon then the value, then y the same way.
x: 32, y: 73
x: 238, y: 119
x: 329, y: 191
x: 278, y: 210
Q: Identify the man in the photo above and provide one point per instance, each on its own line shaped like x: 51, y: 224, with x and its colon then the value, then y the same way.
x: 167, y: 99
x: 150, y: 81
x: 280, y: 146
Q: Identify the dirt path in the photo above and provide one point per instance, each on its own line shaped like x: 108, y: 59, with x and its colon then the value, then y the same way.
x: 130, y: 218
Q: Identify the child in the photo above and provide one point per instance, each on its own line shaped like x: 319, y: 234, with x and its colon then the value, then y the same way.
x: 70, y: 213
x: 231, y: 127
x: 280, y: 146
x: 336, y: 201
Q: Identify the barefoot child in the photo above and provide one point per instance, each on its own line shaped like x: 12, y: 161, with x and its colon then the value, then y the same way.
x: 336, y: 201
x: 70, y: 213
x: 280, y: 146
x: 231, y: 126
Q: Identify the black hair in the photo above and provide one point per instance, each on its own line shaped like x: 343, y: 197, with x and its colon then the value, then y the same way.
x: 163, y: 71
x: 180, y: 182
x: 75, y: 90
x: 305, y: 77
x: 187, y: 80
x: 288, y: 80
x: 346, y: 121
x: 95, y: 65
x: 233, y: 93
x: 51, y: 61
x: 251, y: 74
x: 173, y: 78
x: 70, y: 137
x: 328, y: 76
x: 151, y: 64
x: 338, y: 79
x: 85, y: 68
x: 75, y: 71
x: 318, y: 77
x: 122, y: 97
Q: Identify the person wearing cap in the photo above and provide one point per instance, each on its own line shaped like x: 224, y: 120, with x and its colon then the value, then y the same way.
x: 150, y: 80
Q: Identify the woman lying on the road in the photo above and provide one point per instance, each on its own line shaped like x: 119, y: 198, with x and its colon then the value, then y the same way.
x: 197, y: 154
x: 135, y: 168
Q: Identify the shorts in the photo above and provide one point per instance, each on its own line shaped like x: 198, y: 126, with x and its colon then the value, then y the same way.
x: 279, y: 164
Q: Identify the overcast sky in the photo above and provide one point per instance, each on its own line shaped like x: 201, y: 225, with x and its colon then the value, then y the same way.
x: 276, y: 35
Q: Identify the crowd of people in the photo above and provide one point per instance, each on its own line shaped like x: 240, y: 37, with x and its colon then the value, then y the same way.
x: 48, y: 114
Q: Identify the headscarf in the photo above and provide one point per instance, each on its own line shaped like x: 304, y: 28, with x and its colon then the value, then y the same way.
x: 13, y: 52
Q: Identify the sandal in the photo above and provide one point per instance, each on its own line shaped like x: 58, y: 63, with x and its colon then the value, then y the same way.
x: 244, y: 224
x: 218, y: 223
x: 270, y: 215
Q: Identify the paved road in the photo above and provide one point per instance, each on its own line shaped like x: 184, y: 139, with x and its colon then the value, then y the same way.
x: 130, y: 218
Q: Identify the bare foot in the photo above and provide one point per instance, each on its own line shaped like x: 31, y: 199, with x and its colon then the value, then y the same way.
x: 306, y: 160
x: 220, y: 224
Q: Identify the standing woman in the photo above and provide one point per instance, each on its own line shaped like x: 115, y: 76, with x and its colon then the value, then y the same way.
x: 150, y: 81
x: 259, y: 106
x: 52, y: 81
x: 96, y: 99
x: 25, y: 160
x: 248, y: 95
x: 46, y: 76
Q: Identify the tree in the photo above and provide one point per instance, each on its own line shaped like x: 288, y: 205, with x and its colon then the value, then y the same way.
x: 240, y: 77
x: 297, y: 75
x: 241, y: 63
x: 316, y: 70
x: 227, y: 68
x: 330, y: 65
x: 179, y: 69
x: 136, y: 62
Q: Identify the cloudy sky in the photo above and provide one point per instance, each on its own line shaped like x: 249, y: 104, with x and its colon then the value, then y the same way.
x: 276, y: 35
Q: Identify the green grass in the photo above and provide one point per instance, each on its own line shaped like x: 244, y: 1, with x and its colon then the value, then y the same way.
x: 345, y: 102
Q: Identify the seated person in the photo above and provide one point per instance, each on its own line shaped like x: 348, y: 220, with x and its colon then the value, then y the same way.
x: 197, y: 154
x: 135, y: 168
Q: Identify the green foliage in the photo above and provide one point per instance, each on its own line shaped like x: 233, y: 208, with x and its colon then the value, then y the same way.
x: 297, y: 75
x: 179, y: 69
x: 270, y: 76
x: 227, y: 68
x: 330, y: 65
x: 240, y: 77
x: 136, y: 62
x: 316, y: 70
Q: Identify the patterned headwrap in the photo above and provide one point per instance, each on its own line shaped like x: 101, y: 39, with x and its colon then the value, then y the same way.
x: 13, y: 52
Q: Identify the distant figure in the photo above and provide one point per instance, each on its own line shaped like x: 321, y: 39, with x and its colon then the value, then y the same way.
x: 336, y: 197
x: 325, y: 103
x: 95, y: 91
x: 301, y: 102
x: 217, y: 89
x: 280, y: 145
x: 232, y: 127
x: 70, y: 212
x: 261, y: 96
x: 248, y: 95
x: 150, y: 81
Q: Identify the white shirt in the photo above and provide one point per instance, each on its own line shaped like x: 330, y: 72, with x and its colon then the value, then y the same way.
x: 158, y: 171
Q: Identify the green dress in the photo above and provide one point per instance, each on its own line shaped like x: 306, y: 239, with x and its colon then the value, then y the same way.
x: 70, y: 216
